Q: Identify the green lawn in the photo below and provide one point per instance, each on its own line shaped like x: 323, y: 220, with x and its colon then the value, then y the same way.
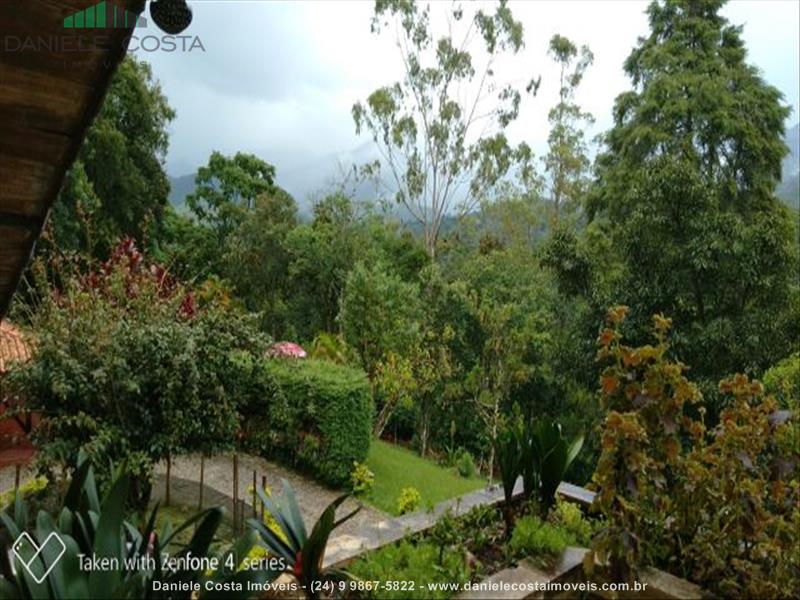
x: 396, y: 468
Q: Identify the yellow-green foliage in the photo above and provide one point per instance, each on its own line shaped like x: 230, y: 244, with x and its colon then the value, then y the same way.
x: 409, y: 500
x: 268, y: 519
x: 29, y: 488
x: 418, y: 564
x: 466, y: 465
x: 362, y: 480
x: 719, y: 506
x: 783, y: 380
x: 571, y: 518
x: 534, y: 538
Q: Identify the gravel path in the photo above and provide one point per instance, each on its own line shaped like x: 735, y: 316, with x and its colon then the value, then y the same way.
x: 312, y: 497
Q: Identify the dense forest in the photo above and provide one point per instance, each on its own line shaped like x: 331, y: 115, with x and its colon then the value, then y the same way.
x: 465, y: 307
x: 626, y: 292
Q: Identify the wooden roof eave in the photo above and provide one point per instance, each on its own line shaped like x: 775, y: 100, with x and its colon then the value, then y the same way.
x: 49, y: 97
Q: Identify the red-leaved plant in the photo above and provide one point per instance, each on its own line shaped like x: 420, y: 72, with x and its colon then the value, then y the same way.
x: 127, y: 278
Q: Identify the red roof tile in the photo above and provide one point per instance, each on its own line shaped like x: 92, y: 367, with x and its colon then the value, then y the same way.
x: 13, y: 347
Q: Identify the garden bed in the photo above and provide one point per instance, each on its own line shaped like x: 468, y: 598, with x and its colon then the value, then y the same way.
x: 470, y: 548
x: 461, y: 550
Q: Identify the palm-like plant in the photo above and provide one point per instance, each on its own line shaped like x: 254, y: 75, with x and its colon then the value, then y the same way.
x: 302, y: 554
x: 545, y: 458
x: 89, y: 527
x: 555, y: 455
x: 509, y: 459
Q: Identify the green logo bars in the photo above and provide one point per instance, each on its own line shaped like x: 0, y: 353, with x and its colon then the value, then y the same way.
x: 104, y: 15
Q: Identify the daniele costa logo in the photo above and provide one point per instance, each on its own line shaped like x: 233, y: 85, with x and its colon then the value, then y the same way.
x: 91, y: 28
x: 104, y: 15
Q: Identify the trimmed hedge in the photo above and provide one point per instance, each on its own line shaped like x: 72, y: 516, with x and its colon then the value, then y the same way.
x: 322, y: 419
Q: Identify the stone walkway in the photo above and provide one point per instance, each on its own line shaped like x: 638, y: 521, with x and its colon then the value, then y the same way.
x: 312, y: 497
x: 369, y: 529
x: 345, y: 546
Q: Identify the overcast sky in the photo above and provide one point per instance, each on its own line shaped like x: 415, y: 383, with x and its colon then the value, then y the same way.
x: 279, y: 78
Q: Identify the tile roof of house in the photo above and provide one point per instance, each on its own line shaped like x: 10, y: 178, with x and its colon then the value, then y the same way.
x: 13, y: 347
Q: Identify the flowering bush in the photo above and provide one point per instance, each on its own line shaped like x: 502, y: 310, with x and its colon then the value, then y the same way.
x: 286, y: 350
x: 718, y: 506
x: 130, y: 369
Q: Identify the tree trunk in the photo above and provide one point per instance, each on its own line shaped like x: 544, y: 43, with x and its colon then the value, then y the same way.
x: 235, y: 490
x: 495, y: 419
x: 167, y: 494
x: 383, y: 419
x: 430, y: 243
x: 141, y: 488
x: 423, y: 434
x: 202, y: 480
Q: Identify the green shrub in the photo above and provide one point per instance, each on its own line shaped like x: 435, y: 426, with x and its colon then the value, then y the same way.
x: 409, y: 500
x: 480, y: 528
x: 362, y: 480
x: 450, y: 456
x: 571, y: 518
x: 466, y: 465
x: 783, y: 381
x: 309, y: 448
x: 321, y: 420
x: 533, y: 537
x: 446, y: 532
x: 421, y: 564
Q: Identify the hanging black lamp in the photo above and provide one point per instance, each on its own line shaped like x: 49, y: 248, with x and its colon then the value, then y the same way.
x: 172, y: 16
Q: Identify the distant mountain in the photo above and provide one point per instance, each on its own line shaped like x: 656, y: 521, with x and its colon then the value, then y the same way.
x: 306, y: 182
x: 310, y: 180
x: 180, y: 187
x: 791, y: 162
x: 789, y: 188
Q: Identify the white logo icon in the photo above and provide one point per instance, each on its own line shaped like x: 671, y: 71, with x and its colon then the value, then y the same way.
x: 23, y: 546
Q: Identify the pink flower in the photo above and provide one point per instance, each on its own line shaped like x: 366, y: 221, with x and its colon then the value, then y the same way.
x: 286, y: 350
